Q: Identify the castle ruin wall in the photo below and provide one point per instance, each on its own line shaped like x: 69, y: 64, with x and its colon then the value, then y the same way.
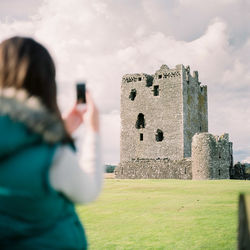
x: 194, y: 108
x: 164, y: 124
x: 211, y: 156
x: 159, y: 102
x: 155, y: 169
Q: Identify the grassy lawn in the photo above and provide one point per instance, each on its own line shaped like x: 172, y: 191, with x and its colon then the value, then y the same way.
x: 164, y: 214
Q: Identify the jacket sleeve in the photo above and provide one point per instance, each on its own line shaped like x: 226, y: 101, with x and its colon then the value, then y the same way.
x: 80, y: 180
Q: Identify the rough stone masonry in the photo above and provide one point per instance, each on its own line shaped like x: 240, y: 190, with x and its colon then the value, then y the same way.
x: 161, y: 115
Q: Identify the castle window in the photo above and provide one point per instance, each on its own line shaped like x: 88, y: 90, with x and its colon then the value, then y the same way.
x: 140, y: 123
x: 219, y: 155
x: 156, y: 90
x: 141, y: 137
x: 132, y: 94
x: 139, y: 78
x: 159, y: 76
x: 149, y: 81
x: 185, y: 170
x: 200, y: 128
x: 219, y: 172
x: 159, y: 135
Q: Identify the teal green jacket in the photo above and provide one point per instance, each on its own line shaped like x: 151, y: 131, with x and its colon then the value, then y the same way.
x: 32, y: 214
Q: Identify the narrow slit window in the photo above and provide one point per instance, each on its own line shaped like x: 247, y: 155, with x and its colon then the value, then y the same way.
x: 156, y: 90
x: 159, y: 135
x: 219, y: 172
x: 140, y: 123
x: 141, y: 137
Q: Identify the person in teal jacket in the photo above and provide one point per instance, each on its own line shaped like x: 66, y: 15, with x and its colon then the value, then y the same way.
x: 40, y: 176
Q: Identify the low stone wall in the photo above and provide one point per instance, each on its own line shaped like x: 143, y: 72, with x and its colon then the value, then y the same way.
x: 155, y: 169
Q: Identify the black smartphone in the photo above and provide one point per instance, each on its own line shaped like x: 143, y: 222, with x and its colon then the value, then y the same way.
x: 80, y: 93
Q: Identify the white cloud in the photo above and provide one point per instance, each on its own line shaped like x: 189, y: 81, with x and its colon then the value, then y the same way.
x: 16, y: 9
x: 212, y: 2
x: 246, y: 160
x: 102, y: 40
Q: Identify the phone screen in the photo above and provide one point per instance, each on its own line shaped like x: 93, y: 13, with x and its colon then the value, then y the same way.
x: 80, y: 90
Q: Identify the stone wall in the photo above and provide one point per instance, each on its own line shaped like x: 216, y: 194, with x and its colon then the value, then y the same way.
x: 195, y: 108
x: 170, y: 101
x: 211, y: 156
x: 154, y: 169
x: 160, y: 103
x: 161, y: 115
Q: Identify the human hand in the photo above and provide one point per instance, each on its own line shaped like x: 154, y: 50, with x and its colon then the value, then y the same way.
x: 77, y: 116
x: 74, y: 119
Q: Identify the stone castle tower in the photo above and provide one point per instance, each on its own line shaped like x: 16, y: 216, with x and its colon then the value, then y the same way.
x: 160, y: 114
x: 212, y: 156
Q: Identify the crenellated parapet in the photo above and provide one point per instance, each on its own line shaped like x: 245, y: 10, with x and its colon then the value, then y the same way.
x: 166, y: 73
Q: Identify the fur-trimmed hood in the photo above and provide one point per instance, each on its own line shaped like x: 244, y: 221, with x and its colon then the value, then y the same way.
x: 21, y: 108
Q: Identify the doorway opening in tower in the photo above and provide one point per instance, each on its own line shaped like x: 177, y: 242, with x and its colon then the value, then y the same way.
x: 132, y: 94
x: 159, y: 135
x: 140, y: 123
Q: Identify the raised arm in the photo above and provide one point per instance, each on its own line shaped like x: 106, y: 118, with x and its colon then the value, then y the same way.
x: 80, y: 179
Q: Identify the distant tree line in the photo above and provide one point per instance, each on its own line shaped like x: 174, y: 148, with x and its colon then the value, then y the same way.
x: 110, y: 168
x: 240, y: 171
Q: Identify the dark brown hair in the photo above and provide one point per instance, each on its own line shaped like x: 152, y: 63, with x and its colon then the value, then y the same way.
x: 26, y: 64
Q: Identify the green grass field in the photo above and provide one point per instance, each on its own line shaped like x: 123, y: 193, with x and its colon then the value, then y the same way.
x: 164, y: 214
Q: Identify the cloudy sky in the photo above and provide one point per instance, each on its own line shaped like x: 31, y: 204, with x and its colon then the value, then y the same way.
x: 101, y: 40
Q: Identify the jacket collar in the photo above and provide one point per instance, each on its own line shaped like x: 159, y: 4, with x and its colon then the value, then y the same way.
x: 20, y: 107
